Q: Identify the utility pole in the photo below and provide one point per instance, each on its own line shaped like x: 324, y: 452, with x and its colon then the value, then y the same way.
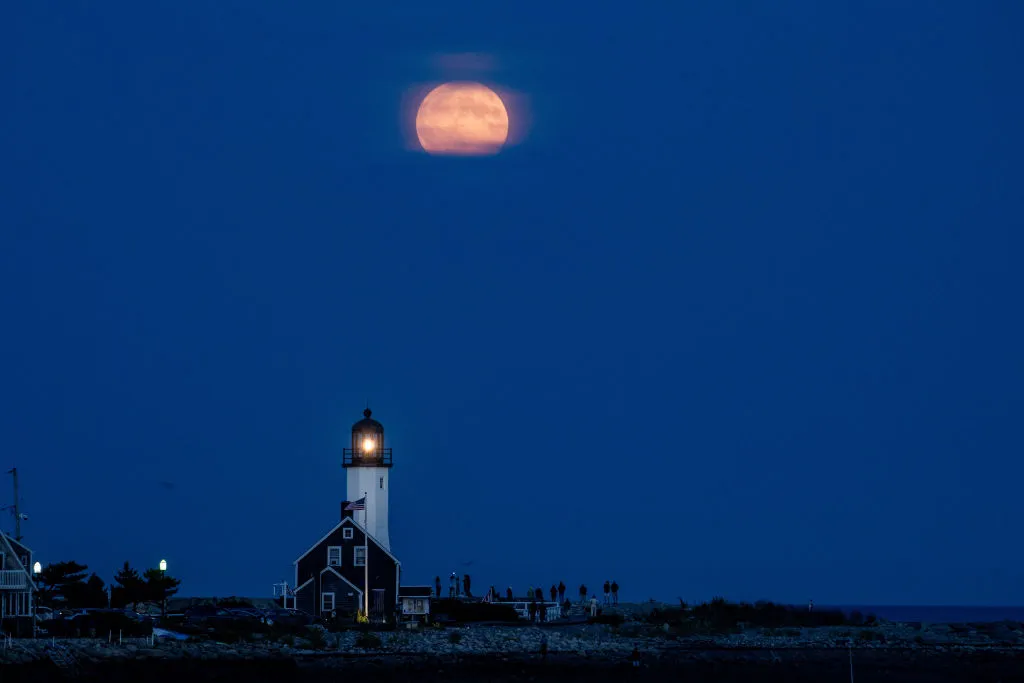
x: 17, y: 511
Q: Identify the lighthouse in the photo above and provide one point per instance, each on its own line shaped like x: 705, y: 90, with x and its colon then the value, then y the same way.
x: 368, y: 464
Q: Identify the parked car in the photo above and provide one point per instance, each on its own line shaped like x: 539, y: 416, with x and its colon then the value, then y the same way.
x: 98, y: 622
x: 293, y: 619
x: 253, y: 615
x: 211, y: 617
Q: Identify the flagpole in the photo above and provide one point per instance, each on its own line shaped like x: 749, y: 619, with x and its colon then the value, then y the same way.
x: 366, y: 560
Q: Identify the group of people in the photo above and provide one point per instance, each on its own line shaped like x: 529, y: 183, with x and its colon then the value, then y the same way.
x: 556, y: 592
x: 453, y: 586
x: 611, y: 593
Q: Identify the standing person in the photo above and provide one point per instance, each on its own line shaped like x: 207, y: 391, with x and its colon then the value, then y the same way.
x: 529, y: 593
x: 554, y: 592
x: 508, y: 594
x: 561, y: 592
x: 607, y: 592
x: 583, y: 593
x: 543, y: 612
x: 593, y: 607
x: 465, y: 586
x: 810, y: 606
x: 635, y: 656
x: 533, y: 611
x: 437, y: 586
x: 615, y: 592
x: 538, y: 594
x: 453, y: 585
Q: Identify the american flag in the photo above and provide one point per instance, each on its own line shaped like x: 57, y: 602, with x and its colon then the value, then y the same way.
x: 357, y: 504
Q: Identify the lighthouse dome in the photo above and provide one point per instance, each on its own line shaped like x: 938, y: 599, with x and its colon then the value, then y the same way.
x: 368, y: 424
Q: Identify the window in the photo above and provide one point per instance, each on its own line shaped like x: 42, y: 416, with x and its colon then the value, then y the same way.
x: 359, y: 556
x: 24, y: 561
x: 334, y: 556
x: 382, y: 482
x: 327, y: 602
x: 346, y: 533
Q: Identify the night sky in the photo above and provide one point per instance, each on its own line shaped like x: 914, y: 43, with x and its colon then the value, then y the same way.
x: 740, y: 313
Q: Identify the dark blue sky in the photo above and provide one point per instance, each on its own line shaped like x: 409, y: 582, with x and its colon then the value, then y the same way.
x: 740, y: 315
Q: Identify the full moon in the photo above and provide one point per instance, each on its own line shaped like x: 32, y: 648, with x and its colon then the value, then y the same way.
x: 462, y: 119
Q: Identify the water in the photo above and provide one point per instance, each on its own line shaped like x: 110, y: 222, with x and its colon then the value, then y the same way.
x: 935, y: 613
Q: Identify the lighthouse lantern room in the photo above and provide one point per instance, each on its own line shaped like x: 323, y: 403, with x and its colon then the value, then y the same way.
x: 368, y: 464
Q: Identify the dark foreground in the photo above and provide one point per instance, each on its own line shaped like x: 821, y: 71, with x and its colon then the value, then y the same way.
x: 746, y: 667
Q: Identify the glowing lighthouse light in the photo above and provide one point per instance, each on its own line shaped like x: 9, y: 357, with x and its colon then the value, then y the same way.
x: 367, y: 445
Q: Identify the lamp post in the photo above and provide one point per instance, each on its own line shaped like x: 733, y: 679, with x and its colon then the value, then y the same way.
x: 37, y: 569
x: 163, y: 589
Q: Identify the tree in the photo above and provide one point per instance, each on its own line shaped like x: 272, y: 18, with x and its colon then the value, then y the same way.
x: 130, y: 589
x: 62, y: 582
x: 159, y: 586
x: 92, y: 593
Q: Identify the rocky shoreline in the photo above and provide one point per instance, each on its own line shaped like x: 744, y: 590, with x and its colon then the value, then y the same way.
x: 893, y: 652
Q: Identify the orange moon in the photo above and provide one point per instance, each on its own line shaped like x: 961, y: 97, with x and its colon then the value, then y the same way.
x: 462, y: 119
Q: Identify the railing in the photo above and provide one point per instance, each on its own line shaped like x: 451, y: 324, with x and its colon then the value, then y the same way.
x: 352, y: 457
x: 13, y: 578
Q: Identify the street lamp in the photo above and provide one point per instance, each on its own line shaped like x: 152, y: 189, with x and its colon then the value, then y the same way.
x: 163, y: 589
x: 37, y: 569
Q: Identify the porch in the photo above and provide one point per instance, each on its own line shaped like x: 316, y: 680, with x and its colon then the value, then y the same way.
x: 13, y: 579
x: 15, y: 604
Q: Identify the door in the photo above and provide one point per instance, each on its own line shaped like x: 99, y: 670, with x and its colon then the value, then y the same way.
x: 377, y: 605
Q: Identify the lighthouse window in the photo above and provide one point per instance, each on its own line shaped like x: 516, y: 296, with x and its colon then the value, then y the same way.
x: 382, y: 482
x: 334, y: 556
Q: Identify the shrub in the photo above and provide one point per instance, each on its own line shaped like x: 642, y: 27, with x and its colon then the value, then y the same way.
x: 369, y: 641
x: 610, y: 619
x: 722, y: 616
x: 475, y: 611
x: 870, y: 635
x: 455, y: 638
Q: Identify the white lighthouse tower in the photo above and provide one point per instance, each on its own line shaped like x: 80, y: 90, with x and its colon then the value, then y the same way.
x: 368, y: 465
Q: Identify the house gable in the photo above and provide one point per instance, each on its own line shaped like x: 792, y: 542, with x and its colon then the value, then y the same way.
x: 334, y: 531
x: 8, y: 550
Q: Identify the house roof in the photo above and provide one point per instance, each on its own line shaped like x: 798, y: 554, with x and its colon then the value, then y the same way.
x: 6, y: 545
x: 347, y: 520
